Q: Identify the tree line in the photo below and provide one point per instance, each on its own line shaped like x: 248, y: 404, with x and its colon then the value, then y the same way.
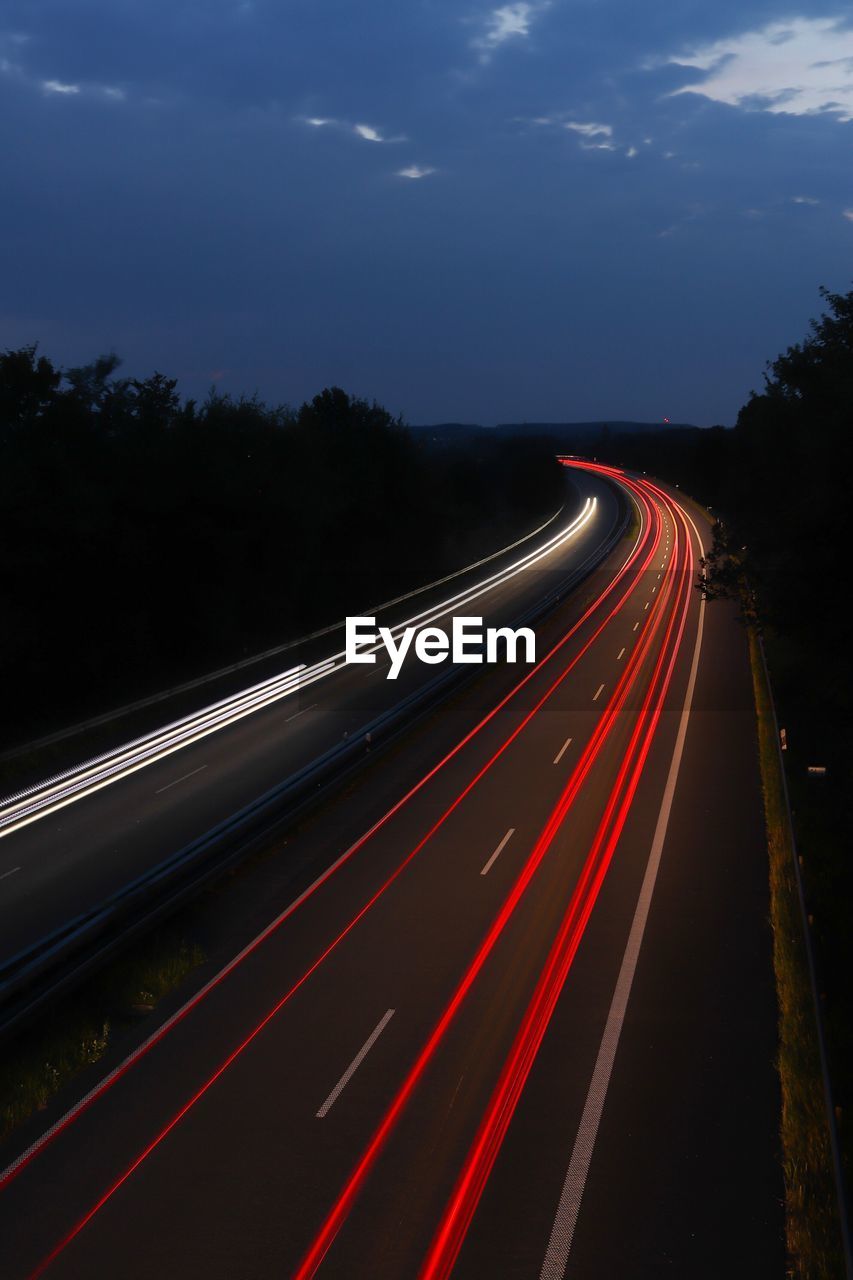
x: 781, y: 483
x: 145, y: 538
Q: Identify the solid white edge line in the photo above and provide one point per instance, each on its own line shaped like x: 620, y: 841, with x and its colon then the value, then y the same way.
x: 42, y: 805
x: 565, y: 1221
x: 9, y: 873
x: 355, y: 1064
x: 487, y: 868
x: 558, y: 757
x: 165, y: 1027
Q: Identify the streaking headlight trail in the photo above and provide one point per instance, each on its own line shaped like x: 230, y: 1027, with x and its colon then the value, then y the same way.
x: 62, y: 789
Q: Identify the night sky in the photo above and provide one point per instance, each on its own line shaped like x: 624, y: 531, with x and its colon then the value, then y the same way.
x: 544, y: 211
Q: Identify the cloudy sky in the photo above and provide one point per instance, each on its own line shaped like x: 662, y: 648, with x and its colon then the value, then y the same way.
x: 549, y: 209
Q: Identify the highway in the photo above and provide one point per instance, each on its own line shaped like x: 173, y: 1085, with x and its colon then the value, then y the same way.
x: 71, y: 843
x: 512, y: 1017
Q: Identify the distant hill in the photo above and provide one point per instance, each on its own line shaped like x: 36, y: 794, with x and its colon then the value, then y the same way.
x: 614, y: 426
x: 565, y: 432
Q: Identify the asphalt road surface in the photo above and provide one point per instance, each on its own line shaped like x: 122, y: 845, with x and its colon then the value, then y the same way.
x: 61, y: 861
x: 522, y: 1026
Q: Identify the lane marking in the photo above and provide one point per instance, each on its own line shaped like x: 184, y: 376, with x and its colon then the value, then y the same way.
x: 459, y: 1212
x: 177, y: 780
x: 646, y: 605
x: 301, y: 713
x: 487, y: 868
x: 339, y: 1213
x: 355, y: 1064
x: 71, y: 1115
x: 558, y: 757
x: 9, y: 873
x: 455, y: 1093
x: 63, y: 789
x: 562, y: 1233
x: 619, y: 654
x: 634, y: 628
x: 598, y: 693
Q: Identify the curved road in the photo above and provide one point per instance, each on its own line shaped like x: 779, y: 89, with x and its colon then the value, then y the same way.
x: 522, y: 1026
x: 57, y: 863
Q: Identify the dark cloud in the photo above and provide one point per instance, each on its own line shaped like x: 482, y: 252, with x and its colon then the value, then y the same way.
x: 178, y: 207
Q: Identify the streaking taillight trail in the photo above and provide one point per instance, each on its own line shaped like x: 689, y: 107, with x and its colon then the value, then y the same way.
x: 588, y: 887
x: 450, y: 1235
x: 640, y: 548
x: 643, y: 556
x: 641, y: 545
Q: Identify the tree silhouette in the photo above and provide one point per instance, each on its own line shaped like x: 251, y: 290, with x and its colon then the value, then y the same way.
x: 144, y: 539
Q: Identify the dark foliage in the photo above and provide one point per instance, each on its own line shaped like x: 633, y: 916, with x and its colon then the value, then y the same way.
x: 781, y: 481
x: 144, y: 539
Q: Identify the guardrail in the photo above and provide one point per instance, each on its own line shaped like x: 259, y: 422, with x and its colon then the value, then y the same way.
x: 243, y: 664
x: 62, y: 959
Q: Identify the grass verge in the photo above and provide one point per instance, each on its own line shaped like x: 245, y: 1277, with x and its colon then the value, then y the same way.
x: 812, y: 1228
x: 44, y: 1058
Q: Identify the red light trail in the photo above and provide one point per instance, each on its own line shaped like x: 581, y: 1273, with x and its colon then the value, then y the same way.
x: 469, y: 1188
x: 13, y: 1171
x: 646, y: 547
x: 586, y: 893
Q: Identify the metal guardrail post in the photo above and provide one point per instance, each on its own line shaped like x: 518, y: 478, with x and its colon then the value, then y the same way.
x: 29, y: 980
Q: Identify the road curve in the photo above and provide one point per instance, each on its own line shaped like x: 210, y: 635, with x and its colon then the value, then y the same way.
x: 416, y: 1067
x: 70, y: 843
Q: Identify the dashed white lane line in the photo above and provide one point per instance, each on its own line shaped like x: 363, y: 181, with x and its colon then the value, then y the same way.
x: 558, y: 757
x: 14, y: 869
x: 598, y: 693
x: 563, y: 1231
x: 646, y: 605
x: 300, y: 713
x: 183, y: 779
x: 634, y: 628
x: 355, y: 1064
x: 619, y: 654
x: 487, y: 868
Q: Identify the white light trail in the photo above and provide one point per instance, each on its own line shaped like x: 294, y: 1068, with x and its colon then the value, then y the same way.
x: 54, y: 793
